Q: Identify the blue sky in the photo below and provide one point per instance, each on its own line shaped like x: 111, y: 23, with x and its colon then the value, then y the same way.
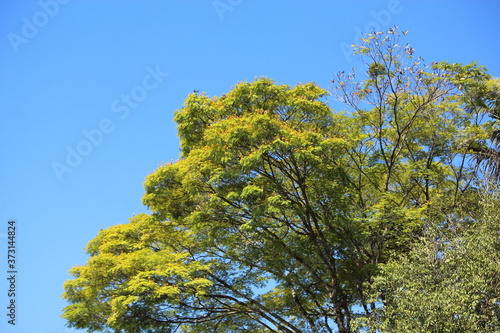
x: 88, y: 90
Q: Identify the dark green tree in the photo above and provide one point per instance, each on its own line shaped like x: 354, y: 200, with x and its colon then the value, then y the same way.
x: 448, y: 282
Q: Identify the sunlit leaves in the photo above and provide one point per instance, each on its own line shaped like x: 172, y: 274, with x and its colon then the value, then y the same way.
x: 132, y: 267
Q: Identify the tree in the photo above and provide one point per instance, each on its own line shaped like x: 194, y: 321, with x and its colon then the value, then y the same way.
x: 449, y: 282
x: 484, y: 98
x: 280, y: 212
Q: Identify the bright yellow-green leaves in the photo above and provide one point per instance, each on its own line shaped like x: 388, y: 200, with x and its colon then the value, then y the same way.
x: 233, y: 215
x: 132, y: 267
x: 266, y: 178
x: 299, y: 106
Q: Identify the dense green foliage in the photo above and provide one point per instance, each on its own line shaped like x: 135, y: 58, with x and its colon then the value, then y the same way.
x: 449, y: 282
x: 283, y: 215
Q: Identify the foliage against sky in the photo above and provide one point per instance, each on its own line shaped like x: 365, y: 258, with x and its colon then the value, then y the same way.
x: 281, y: 212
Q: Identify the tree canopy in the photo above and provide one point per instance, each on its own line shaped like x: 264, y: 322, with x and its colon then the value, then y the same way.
x: 283, y: 215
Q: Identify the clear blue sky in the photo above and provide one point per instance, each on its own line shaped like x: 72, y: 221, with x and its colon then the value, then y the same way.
x: 103, y: 78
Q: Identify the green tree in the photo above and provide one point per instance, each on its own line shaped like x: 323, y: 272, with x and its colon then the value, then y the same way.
x: 480, y: 93
x: 449, y: 282
x: 484, y: 98
x: 280, y: 211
